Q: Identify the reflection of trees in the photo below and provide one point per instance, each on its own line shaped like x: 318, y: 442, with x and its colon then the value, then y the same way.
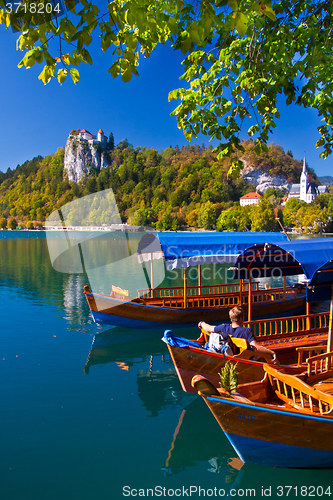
x: 25, y: 263
x: 74, y: 301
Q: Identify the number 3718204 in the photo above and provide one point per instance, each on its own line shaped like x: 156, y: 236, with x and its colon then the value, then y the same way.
x: 34, y: 8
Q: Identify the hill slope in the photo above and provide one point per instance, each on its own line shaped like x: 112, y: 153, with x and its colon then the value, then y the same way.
x: 164, y: 188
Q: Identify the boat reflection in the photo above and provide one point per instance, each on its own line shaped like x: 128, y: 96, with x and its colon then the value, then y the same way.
x: 125, y: 347
x: 160, y: 390
x: 158, y: 387
x: 194, y: 442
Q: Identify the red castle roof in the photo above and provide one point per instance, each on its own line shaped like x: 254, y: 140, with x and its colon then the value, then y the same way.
x: 251, y: 196
x: 86, y: 131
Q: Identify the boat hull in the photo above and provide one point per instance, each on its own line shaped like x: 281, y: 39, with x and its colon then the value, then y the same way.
x: 111, y: 311
x: 190, y: 361
x: 265, y: 435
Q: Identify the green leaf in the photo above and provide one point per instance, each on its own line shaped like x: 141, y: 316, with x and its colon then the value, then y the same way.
x: 114, y: 69
x: 269, y: 12
x: 45, y: 75
x: 186, y: 45
x: 61, y: 75
x: 86, y: 56
x: 188, y: 135
x: 127, y: 76
x: 173, y: 26
x: 233, y: 4
x: 105, y: 42
x: 241, y: 23
x: 75, y: 75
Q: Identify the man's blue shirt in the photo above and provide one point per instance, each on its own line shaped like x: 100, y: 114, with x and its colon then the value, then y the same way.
x: 240, y: 332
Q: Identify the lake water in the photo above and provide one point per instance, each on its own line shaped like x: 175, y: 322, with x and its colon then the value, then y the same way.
x: 109, y: 420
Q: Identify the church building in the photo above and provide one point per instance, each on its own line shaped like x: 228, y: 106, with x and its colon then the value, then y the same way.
x: 306, y: 191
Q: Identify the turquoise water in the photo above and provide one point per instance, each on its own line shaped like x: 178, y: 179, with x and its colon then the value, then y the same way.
x: 108, y: 420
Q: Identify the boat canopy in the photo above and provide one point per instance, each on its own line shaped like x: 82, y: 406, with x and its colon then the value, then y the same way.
x: 182, y: 249
x: 312, y: 257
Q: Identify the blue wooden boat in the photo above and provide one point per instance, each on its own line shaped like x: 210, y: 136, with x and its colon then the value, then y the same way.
x: 283, y: 420
x: 184, y: 305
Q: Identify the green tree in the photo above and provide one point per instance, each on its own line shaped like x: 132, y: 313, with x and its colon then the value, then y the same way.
x: 290, y: 210
x: 262, y: 216
x: 207, y: 216
x: 3, y: 223
x: 311, y: 218
x: 165, y: 222
x: 252, y: 49
x: 12, y: 224
x: 30, y: 225
x: 274, y: 195
x: 110, y: 144
x: 234, y: 219
x: 192, y: 217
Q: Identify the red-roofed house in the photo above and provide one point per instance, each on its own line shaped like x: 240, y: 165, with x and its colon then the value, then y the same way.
x: 250, y: 199
x: 84, y: 134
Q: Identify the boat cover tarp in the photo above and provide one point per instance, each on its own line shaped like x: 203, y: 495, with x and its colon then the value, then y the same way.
x: 182, y: 249
x: 312, y: 257
x: 171, y: 339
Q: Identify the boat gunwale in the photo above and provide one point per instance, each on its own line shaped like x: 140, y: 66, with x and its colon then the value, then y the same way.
x: 235, y: 358
x: 190, y: 309
x: 264, y: 408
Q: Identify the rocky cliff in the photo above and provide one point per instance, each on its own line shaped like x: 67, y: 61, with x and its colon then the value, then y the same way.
x: 81, y: 156
x: 262, y: 180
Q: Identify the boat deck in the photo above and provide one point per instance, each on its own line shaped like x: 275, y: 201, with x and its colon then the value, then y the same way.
x: 324, y: 386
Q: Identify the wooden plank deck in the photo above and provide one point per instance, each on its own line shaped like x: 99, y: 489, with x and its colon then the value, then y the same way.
x: 324, y: 386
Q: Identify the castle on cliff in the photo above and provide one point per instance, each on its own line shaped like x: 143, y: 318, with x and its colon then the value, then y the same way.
x: 91, y: 138
x: 84, y: 151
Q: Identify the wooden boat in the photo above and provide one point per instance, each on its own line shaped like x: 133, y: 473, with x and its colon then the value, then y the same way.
x: 165, y: 307
x: 283, y: 420
x: 286, y: 336
x: 184, y: 305
x: 293, y: 339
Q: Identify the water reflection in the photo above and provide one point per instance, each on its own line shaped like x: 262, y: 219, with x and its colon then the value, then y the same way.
x: 25, y: 265
x: 199, y: 439
x: 157, y: 387
x: 74, y: 302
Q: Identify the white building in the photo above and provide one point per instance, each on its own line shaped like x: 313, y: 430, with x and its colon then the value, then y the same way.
x: 250, y: 199
x: 91, y: 138
x: 306, y: 191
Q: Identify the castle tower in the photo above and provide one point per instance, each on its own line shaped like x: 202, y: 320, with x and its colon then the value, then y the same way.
x: 101, y: 137
x: 304, y: 183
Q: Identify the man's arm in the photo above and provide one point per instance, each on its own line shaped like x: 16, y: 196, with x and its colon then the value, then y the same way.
x: 260, y: 348
x: 205, y: 326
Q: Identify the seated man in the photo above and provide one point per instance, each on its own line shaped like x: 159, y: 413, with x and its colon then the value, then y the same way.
x: 236, y: 329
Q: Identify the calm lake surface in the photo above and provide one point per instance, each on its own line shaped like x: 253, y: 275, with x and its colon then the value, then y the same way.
x: 95, y: 413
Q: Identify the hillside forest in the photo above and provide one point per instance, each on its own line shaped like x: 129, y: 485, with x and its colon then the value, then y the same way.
x: 175, y: 189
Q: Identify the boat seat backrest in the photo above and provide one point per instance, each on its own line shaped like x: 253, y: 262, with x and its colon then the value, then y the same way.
x: 297, y: 394
x: 305, y: 352
x: 240, y: 343
x: 119, y: 293
x: 320, y: 366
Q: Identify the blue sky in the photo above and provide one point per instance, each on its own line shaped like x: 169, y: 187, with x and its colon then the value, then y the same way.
x: 36, y: 119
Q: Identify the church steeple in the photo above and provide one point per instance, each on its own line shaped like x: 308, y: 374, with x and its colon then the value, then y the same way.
x: 304, y: 182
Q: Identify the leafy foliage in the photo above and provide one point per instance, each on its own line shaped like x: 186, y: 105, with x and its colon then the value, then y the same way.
x: 240, y: 56
x: 229, y: 377
x: 170, y: 189
x: 263, y: 217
